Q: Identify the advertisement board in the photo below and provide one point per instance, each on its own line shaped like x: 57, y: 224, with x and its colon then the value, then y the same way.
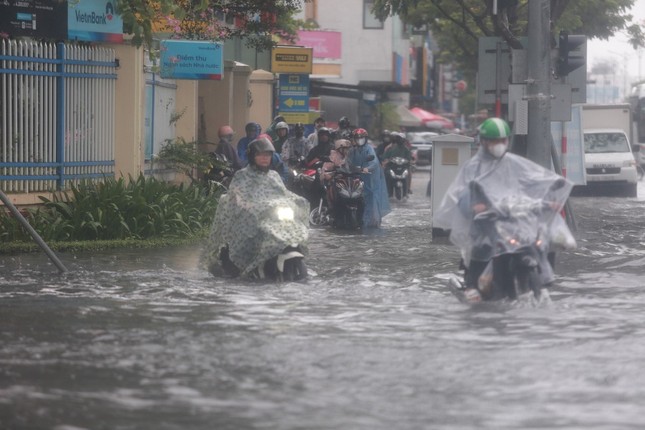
x: 291, y: 59
x: 189, y: 59
x: 34, y: 18
x: 94, y: 21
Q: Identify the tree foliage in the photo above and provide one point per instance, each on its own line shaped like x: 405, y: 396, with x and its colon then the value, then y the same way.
x: 255, y: 21
x: 456, y: 25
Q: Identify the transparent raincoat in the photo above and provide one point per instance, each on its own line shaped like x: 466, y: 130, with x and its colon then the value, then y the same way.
x: 250, y: 221
x: 508, y: 184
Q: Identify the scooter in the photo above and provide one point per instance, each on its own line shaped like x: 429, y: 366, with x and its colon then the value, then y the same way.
x: 518, y: 236
x: 276, y: 258
x: 347, y: 201
x: 221, y: 171
x: 397, y: 171
x: 305, y: 180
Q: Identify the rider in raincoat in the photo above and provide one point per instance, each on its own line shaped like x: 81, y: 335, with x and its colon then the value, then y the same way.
x: 362, y: 156
x: 246, y: 230
x: 503, y: 176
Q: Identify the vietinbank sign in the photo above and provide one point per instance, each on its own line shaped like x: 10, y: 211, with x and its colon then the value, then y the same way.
x: 94, y: 21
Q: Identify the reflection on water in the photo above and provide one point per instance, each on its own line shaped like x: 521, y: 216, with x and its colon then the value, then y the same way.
x: 149, y: 340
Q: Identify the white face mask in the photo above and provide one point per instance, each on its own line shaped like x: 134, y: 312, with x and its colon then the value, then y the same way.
x: 498, y: 149
x: 361, y: 141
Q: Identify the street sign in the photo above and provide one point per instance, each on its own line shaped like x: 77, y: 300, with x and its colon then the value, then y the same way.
x: 291, y: 59
x: 302, y: 117
x: 294, y: 92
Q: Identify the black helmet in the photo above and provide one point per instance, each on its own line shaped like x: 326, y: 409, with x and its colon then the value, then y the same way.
x: 258, y: 145
x: 343, y: 122
x: 299, y: 128
x: 252, y: 126
x: 324, y: 130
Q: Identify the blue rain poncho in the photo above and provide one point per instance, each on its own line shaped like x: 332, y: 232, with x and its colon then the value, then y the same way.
x: 246, y: 221
x: 377, y: 203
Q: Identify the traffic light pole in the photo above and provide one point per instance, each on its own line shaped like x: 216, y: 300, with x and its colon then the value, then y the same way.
x: 538, y: 88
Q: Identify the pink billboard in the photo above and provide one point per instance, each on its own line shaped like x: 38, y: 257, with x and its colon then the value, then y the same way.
x: 326, y: 44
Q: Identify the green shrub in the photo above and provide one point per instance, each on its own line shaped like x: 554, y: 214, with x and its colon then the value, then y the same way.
x: 118, y: 209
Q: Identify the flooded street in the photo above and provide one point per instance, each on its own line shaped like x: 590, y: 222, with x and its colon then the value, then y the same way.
x: 146, y: 339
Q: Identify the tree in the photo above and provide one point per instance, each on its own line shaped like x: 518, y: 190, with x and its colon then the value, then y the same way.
x: 457, y: 25
x: 255, y: 21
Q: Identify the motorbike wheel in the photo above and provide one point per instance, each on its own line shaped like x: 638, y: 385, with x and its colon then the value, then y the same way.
x: 352, y: 219
x: 320, y: 217
x: 398, y: 192
x: 295, y: 269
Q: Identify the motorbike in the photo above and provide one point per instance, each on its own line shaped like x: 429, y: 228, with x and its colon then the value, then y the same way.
x: 397, y: 171
x: 305, y: 179
x: 277, y: 227
x: 345, y: 198
x: 221, y: 171
x: 518, y: 233
x: 260, y: 231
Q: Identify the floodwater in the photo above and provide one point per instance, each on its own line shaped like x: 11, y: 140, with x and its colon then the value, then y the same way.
x: 375, y: 340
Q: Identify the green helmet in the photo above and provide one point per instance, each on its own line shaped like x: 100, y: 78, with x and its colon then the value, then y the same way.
x: 494, y: 128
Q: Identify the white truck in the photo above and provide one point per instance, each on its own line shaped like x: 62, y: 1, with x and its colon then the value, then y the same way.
x: 609, y: 154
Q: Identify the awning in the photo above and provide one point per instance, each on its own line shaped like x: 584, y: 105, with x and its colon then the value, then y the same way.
x: 407, y: 118
x: 432, y: 120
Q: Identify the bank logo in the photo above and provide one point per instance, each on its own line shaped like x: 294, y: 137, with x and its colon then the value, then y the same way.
x: 109, y: 11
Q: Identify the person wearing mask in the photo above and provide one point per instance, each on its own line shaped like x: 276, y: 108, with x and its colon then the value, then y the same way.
x: 225, y: 147
x: 398, y: 149
x: 344, y: 129
x: 277, y: 164
x: 501, y: 175
x: 271, y: 131
x: 386, y: 139
x: 282, y: 134
x: 252, y: 130
x: 362, y: 156
x: 312, y: 139
x: 296, y: 146
x: 324, y: 147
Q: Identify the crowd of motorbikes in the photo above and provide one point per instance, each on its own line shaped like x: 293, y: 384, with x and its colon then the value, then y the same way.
x: 520, y: 229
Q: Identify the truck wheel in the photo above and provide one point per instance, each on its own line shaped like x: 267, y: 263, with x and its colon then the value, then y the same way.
x: 631, y: 190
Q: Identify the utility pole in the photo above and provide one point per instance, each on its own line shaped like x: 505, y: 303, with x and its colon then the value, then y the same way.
x: 538, y: 88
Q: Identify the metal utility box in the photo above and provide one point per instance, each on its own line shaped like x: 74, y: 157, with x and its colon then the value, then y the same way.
x: 449, y: 153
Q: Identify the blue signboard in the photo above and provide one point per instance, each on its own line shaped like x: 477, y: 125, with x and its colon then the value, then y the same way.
x: 294, y: 92
x: 94, y: 21
x: 187, y: 59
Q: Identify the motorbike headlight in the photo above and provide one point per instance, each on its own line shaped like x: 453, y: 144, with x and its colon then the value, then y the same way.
x: 285, y: 214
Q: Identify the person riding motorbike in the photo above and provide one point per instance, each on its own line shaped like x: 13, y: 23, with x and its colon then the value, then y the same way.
x: 484, y: 183
x: 252, y: 130
x: 296, y: 146
x: 345, y: 129
x: 324, y: 147
x: 362, y: 156
x: 398, y: 149
x: 225, y: 147
x: 271, y: 131
x: 386, y: 139
x: 244, y: 234
x: 312, y: 139
x: 282, y: 134
x: 277, y: 164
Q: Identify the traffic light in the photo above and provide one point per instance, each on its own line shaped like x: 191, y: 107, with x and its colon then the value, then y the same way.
x: 571, y: 53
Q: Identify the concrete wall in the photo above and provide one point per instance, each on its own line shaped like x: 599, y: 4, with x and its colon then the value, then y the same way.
x: 130, y: 110
x: 261, y: 87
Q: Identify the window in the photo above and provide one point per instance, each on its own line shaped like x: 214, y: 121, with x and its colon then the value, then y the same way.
x: 369, y: 20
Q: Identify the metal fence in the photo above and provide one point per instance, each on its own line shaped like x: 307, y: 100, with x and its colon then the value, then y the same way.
x: 57, y: 113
